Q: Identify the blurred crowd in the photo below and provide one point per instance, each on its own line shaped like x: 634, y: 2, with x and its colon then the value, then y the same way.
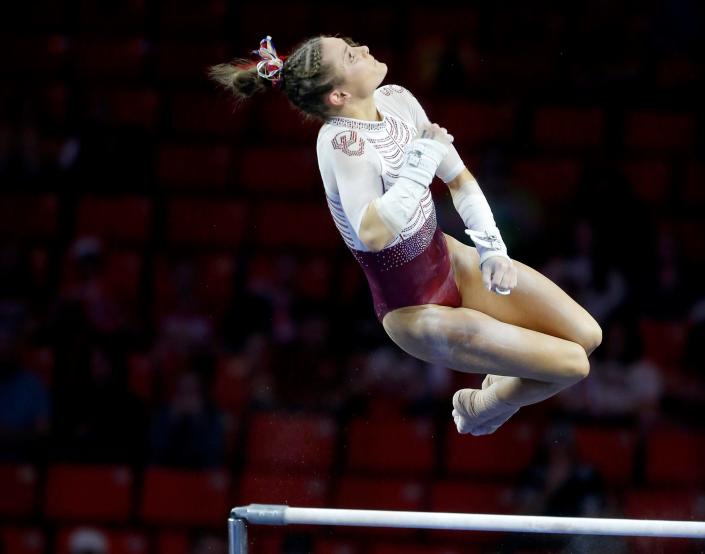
x: 163, y: 366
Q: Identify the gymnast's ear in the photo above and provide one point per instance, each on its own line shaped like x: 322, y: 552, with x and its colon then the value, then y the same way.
x: 337, y: 98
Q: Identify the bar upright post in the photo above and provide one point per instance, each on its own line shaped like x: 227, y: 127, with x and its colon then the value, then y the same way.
x: 237, y: 535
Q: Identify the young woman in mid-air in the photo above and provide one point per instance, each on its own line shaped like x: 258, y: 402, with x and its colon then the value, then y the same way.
x: 470, y: 309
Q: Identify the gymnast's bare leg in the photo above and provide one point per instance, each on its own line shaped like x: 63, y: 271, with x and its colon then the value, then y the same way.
x: 537, y: 337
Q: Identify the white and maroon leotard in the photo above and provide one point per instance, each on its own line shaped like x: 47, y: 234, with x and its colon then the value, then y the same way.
x: 359, y: 161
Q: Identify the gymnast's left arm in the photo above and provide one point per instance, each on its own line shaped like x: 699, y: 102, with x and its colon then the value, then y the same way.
x: 498, y: 271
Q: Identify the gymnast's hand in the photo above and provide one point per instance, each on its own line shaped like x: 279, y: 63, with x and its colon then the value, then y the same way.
x: 499, y: 275
x: 435, y: 132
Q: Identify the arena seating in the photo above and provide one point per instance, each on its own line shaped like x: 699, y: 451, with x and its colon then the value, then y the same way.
x: 394, y: 447
x: 19, y: 485
x: 89, y: 493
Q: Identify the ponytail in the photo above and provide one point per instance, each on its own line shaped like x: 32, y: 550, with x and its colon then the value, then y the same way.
x: 239, y: 77
x: 302, y: 76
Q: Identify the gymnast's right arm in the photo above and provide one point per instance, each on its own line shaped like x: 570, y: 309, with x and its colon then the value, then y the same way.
x: 378, y: 217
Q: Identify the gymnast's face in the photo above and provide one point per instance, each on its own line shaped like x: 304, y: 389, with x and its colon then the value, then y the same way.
x: 358, y: 71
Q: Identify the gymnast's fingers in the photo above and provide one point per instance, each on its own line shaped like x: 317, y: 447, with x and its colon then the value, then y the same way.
x: 497, y: 276
x: 487, y: 276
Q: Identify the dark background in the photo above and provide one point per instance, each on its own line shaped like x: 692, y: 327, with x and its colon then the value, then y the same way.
x: 182, y: 330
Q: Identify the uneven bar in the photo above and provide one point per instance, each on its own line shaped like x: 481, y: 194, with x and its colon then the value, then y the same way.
x: 269, y: 514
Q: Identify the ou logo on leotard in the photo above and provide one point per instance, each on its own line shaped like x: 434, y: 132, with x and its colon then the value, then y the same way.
x: 349, y: 142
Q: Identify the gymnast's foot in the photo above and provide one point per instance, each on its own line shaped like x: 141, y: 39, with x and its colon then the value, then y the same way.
x: 479, y: 412
x: 490, y: 379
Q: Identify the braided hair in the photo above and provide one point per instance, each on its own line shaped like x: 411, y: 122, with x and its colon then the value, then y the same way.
x: 305, y: 78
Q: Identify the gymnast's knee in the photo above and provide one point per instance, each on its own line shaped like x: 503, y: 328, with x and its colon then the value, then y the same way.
x: 577, y: 365
x: 591, y: 336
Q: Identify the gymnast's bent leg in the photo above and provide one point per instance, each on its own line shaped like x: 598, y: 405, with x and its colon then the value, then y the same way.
x: 538, y: 337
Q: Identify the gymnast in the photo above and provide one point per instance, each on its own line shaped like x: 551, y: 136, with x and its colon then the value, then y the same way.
x: 470, y: 309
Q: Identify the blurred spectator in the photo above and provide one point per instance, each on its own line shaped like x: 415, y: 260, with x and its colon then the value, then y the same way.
x: 20, y: 158
x: 24, y: 401
x: 686, y: 392
x: 622, y: 383
x: 85, y: 540
x: 387, y: 382
x: 305, y: 369
x: 15, y: 275
x: 664, y: 289
x: 98, y: 419
x: 86, y: 288
x: 184, y: 328
x: 558, y: 483
x: 188, y: 431
x: 587, y: 276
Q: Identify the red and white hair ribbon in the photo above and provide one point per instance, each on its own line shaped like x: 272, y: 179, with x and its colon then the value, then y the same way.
x: 271, y: 65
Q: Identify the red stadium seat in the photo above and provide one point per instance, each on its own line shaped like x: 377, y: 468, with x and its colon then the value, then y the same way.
x: 474, y: 123
x: 18, y: 483
x: 199, y: 222
x: 258, y: 487
x: 280, y: 122
x: 569, y: 128
x: 380, y: 493
x: 313, y: 279
x: 502, y: 454
x: 178, y: 497
x: 279, y: 225
x: 412, y: 548
x: 120, y: 218
x: 123, y: 272
x: 610, y: 451
x: 339, y: 546
x: 28, y: 216
x: 650, y: 180
x: 90, y: 493
x: 259, y: 173
x: 290, y: 442
x: 676, y: 457
x: 659, y: 131
x: 464, y: 497
x: 231, y: 386
x: 460, y: 496
x: 552, y: 181
x: 110, y: 57
x: 391, y: 446
x: 194, y: 167
x: 118, y: 541
x: 265, y: 540
x: 173, y: 542
x: 22, y: 540
x: 679, y: 504
x: 655, y: 545
x: 664, y: 341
